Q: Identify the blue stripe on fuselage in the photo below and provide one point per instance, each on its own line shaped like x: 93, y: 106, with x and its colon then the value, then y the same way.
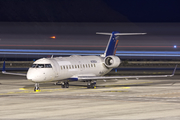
x: 73, y: 79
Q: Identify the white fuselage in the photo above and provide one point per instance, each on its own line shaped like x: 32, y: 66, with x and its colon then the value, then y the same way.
x: 61, y: 68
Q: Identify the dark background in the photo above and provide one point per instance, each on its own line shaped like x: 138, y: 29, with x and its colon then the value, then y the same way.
x: 89, y: 11
x: 29, y: 24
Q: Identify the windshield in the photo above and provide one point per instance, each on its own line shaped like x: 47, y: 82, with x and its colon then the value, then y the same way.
x: 34, y: 65
x: 41, y: 66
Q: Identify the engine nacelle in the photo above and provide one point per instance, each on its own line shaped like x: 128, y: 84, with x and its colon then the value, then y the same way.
x: 112, y: 61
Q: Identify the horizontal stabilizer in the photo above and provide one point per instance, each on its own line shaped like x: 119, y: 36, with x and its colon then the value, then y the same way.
x: 101, y: 33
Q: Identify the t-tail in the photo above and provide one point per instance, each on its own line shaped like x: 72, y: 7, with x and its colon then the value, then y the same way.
x: 113, y: 41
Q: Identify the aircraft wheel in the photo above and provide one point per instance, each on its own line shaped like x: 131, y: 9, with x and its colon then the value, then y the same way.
x: 67, y: 84
x: 63, y: 86
x: 36, y: 88
x: 93, y: 85
x: 88, y: 86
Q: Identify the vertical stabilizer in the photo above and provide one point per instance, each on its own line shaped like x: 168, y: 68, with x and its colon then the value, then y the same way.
x: 113, y: 42
x: 112, y: 45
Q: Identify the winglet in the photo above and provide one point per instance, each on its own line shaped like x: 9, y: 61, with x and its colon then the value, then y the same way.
x: 4, y: 68
x: 173, y: 71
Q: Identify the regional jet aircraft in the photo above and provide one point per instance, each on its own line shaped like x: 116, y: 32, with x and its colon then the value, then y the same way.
x: 79, y: 68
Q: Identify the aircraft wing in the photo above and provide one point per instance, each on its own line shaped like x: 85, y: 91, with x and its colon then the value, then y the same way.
x: 20, y: 74
x: 120, y: 77
x: 9, y: 73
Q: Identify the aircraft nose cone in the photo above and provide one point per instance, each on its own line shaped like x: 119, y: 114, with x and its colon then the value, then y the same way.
x: 31, y: 75
x: 36, y: 75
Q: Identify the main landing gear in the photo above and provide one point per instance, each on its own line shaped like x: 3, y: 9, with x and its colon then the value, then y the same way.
x: 91, y: 84
x: 65, y: 84
x: 36, y: 89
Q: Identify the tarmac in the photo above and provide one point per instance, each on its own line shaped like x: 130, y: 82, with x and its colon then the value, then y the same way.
x: 152, y: 98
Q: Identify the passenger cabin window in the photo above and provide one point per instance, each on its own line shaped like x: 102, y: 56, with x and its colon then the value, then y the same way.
x: 91, y: 65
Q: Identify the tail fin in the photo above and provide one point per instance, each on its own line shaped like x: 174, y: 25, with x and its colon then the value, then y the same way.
x: 113, y: 42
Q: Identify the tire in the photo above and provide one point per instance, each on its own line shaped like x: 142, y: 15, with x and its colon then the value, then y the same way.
x: 67, y: 85
x: 62, y: 86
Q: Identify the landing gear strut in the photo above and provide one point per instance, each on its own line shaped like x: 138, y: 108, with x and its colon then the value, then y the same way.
x: 65, y: 85
x: 36, y: 87
x: 91, y: 84
x: 57, y: 83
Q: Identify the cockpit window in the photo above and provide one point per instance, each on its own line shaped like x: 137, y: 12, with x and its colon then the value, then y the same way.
x: 40, y: 66
x: 48, y: 66
x: 34, y: 65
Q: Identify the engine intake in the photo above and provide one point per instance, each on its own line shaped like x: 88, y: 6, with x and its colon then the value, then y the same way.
x: 112, y: 61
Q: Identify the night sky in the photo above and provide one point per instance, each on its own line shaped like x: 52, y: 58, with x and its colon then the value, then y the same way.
x: 89, y: 11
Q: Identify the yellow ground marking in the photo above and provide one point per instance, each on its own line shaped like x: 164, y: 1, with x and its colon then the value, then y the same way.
x: 117, y: 91
x: 30, y: 90
x: 23, y: 89
x: 37, y: 90
x: 123, y: 88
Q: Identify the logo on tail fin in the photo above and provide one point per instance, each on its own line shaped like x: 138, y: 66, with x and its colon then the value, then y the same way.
x: 116, y: 46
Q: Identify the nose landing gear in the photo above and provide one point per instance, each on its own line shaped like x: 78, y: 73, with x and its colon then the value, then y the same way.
x: 36, y: 89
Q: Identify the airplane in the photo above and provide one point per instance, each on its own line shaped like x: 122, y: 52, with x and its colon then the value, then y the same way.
x: 79, y: 68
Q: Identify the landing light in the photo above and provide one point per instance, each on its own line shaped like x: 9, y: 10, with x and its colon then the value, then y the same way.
x: 175, y: 46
